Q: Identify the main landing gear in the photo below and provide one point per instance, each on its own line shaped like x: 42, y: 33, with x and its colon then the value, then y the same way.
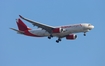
x: 50, y: 36
x: 59, y: 39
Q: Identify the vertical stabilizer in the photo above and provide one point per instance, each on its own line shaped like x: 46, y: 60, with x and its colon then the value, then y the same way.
x: 21, y: 25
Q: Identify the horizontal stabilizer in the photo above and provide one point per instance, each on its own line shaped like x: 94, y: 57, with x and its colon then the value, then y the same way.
x: 17, y: 30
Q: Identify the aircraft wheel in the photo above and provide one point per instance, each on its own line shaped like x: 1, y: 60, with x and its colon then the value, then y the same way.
x: 57, y: 41
x: 49, y: 37
x: 84, y: 34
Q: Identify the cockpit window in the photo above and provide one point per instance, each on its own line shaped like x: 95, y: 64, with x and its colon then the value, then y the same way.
x: 89, y: 24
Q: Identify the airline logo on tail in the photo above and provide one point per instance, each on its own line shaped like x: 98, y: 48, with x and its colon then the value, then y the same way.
x: 22, y: 26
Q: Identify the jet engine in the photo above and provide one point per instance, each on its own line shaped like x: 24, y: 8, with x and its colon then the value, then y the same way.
x: 71, y: 37
x: 58, y: 30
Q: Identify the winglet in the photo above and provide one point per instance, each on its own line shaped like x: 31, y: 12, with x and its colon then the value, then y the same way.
x: 20, y: 16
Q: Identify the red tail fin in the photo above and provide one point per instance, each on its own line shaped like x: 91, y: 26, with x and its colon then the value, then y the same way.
x: 21, y: 25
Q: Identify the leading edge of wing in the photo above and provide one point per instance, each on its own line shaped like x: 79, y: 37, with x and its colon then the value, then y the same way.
x: 35, y: 23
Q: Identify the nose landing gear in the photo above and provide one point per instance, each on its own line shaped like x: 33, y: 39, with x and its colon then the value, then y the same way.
x: 84, y: 34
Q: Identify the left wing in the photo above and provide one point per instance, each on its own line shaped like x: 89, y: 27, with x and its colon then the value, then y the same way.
x: 43, y: 26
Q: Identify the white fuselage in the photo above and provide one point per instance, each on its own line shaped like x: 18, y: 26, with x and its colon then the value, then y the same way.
x: 76, y: 28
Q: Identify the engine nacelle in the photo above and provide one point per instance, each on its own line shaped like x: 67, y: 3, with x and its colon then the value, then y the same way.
x: 71, y: 37
x: 58, y: 30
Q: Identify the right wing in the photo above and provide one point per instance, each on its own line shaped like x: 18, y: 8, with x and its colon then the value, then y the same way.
x: 43, y: 26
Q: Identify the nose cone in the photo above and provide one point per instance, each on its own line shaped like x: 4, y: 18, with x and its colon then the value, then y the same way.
x: 92, y: 26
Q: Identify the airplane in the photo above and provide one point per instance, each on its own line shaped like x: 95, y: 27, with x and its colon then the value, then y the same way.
x: 60, y: 32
